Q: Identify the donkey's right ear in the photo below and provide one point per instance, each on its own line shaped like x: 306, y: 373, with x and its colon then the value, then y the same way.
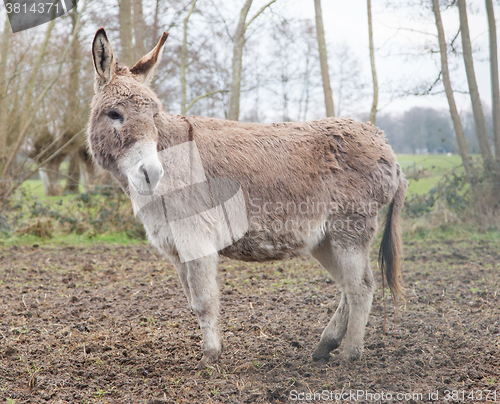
x: 104, y: 61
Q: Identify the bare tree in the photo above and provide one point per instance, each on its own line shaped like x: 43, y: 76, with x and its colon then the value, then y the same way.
x: 126, y: 32
x: 477, y: 108
x: 455, y: 117
x: 495, y: 85
x: 156, y: 22
x: 373, y: 111
x: 4, y: 50
x: 239, y: 43
x: 87, y: 169
x: 310, y: 62
x: 323, y: 59
x: 30, y: 117
x: 348, y: 82
x: 45, y: 144
x: 139, y: 29
x: 184, y: 59
x: 72, y: 119
x: 27, y: 112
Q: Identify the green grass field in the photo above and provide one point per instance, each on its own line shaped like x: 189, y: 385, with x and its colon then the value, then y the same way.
x: 433, y: 166
x: 35, y: 188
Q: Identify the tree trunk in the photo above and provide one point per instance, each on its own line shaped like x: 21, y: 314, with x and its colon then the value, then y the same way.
x: 87, y: 169
x: 323, y: 60
x: 455, y: 117
x: 184, y: 60
x: 72, y: 120
x: 495, y: 85
x: 4, y: 50
x: 239, y: 42
x: 237, y: 62
x: 155, y: 34
x: 373, y: 112
x: 126, y: 32
x: 477, y: 109
x: 139, y: 30
x: 73, y: 180
x: 49, y: 175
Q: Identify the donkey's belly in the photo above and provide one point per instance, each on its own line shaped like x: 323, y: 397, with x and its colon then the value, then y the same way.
x: 265, y: 246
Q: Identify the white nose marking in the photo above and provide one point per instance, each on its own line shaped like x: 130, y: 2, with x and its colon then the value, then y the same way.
x: 151, y: 170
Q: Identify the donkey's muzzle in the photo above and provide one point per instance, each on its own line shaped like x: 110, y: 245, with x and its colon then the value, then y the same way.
x: 147, y: 175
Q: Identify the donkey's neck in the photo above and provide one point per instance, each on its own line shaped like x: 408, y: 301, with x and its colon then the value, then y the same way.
x: 173, y: 130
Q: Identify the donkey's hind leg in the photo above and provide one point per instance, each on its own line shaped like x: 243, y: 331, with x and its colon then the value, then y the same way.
x: 333, y: 333
x: 351, y: 269
x: 336, y: 329
x: 358, y: 285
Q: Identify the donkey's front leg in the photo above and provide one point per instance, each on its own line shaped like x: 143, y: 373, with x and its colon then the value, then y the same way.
x: 201, y: 278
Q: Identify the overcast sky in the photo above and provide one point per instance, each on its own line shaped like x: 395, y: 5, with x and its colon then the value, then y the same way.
x: 397, y: 67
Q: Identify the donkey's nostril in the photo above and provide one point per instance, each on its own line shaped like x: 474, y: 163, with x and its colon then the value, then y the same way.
x: 144, y: 171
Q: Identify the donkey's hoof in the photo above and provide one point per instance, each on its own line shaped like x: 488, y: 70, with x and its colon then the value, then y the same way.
x: 209, y: 358
x: 321, y: 354
x: 352, y: 353
x: 320, y: 360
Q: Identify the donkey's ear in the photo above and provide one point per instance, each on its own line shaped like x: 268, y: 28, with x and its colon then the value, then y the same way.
x: 144, y: 69
x: 104, y: 61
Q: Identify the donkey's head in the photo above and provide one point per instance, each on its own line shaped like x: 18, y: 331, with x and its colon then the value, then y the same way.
x: 122, y: 132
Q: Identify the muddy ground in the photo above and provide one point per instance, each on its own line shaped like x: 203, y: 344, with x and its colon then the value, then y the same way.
x: 110, y: 324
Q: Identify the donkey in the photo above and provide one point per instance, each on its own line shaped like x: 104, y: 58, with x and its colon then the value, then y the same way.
x: 304, y: 187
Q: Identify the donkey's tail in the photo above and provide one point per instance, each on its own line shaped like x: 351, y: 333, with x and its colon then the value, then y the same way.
x: 389, y: 255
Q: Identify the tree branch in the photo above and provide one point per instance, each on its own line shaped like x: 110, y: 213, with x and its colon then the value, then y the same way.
x: 258, y: 13
x: 223, y: 20
x: 428, y: 91
x: 408, y: 29
x: 453, y: 41
x: 209, y: 94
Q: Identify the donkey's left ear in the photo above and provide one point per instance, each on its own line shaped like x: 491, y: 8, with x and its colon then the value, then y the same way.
x: 144, y: 69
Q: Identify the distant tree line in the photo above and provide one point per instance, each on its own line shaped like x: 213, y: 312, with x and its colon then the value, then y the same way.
x: 429, y: 130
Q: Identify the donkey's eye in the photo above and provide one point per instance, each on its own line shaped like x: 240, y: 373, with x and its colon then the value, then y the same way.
x: 115, y: 116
